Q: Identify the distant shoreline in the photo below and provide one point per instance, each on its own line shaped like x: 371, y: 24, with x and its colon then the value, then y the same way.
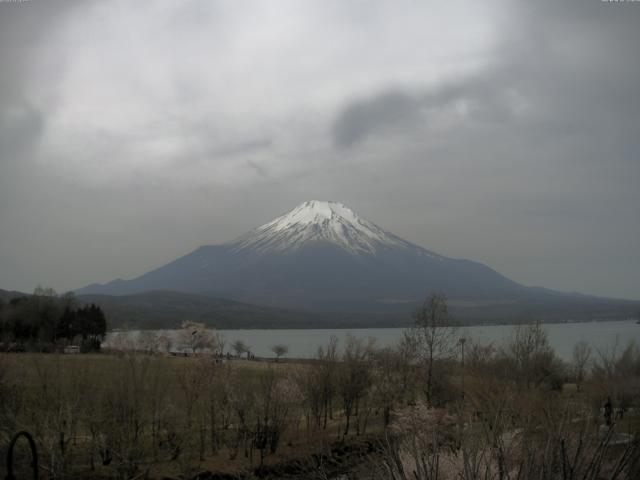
x: 383, y: 327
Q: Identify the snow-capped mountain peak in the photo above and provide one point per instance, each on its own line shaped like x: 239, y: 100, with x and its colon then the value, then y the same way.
x: 318, y: 221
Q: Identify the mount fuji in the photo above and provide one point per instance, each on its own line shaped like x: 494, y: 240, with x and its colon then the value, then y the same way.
x: 322, y: 256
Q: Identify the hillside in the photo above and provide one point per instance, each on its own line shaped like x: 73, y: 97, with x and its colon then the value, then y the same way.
x: 167, y: 309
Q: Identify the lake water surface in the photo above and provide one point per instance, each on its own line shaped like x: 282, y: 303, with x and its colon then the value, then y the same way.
x: 304, y: 343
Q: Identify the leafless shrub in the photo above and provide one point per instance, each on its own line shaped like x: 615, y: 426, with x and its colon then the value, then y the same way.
x: 568, y: 450
x: 354, y: 377
x: 581, y: 357
x: 434, y: 335
x: 279, y: 350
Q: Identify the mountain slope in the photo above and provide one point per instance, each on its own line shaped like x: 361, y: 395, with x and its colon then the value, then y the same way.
x: 321, y: 256
x: 329, y: 265
x: 166, y: 309
x: 319, y: 222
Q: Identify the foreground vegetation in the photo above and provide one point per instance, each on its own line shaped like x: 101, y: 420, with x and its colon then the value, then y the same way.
x: 432, y: 407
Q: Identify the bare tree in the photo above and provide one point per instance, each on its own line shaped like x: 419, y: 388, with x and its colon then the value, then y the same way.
x: 532, y: 359
x: 241, y: 397
x: 276, y: 397
x: 354, y: 377
x: 309, y: 380
x: 392, y: 378
x: 279, y: 350
x: 219, y: 342
x: 239, y: 347
x: 328, y: 357
x: 434, y: 334
x: 581, y: 357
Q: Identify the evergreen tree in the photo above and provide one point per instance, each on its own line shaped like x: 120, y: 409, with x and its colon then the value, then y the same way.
x: 46, y: 319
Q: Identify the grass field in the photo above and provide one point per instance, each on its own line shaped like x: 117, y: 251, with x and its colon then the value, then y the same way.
x: 132, y: 415
x: 158, y: 414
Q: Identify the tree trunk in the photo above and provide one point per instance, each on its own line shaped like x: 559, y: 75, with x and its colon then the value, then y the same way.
x: 429, y: 378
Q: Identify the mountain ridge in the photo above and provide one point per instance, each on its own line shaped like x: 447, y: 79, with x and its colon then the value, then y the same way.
x: 322, y: 257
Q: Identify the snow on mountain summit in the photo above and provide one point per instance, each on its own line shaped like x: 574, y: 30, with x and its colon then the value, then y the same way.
x: 318, y: 221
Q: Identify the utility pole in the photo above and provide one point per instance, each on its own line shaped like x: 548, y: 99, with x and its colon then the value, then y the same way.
x: 462, y: 342
x: 461, y: 411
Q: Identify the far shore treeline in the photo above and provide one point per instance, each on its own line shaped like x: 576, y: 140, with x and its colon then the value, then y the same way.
x: 46, y: 322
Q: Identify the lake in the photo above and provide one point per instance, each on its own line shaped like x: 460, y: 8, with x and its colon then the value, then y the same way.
x: 304, y: 343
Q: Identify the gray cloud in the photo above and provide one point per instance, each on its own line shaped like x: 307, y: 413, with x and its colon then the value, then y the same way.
x: 559, y: 69
x: 363, y: 118
x: 540, y: 148
x: 506, y: 132
x: 20, y: 126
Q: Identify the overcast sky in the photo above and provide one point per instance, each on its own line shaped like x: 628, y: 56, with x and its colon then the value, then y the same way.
x: 132, y: 132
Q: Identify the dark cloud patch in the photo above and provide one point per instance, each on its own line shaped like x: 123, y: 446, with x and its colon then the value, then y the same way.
x: 561, y: 74
x: 477, y: 98
x: 545, y: 138
x: 20, y: 127
x: 23, y: 25
x: 360, y: 119
x: 211, y: 151
x: 244, y: 147
x: 259, y: 169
